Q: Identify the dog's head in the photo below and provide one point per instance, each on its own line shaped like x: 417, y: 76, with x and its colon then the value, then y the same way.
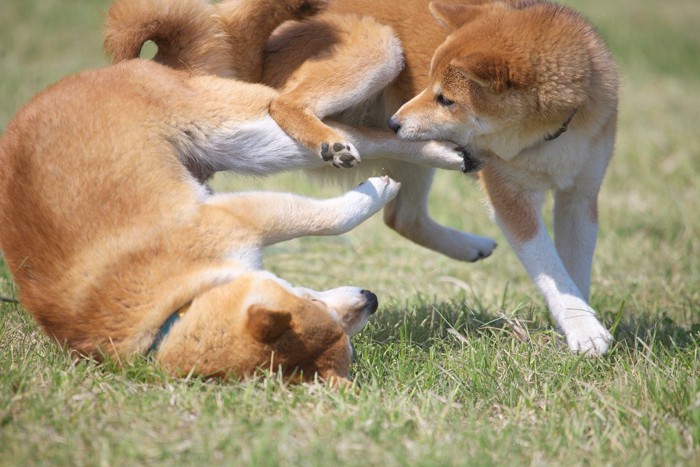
x: 508, y: 76
x: 309, y: 332
x: 260, y: 322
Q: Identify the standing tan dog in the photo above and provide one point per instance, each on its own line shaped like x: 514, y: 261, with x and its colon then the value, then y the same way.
x: 117, y: 248
x: 526, y: 87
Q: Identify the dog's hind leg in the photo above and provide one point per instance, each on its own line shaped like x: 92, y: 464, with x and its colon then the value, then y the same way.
x: 408, y: 215
x: 325, y: 66
x: 277, y: 217
x: 248, y: 25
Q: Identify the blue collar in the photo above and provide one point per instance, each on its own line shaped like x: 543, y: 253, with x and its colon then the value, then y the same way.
x: 165, y: 328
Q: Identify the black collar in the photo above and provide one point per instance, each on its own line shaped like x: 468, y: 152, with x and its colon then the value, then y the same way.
x: 562, y: 129
x: 165, y: 328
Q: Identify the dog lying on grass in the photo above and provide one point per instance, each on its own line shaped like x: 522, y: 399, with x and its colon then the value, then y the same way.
x: 118, y: 248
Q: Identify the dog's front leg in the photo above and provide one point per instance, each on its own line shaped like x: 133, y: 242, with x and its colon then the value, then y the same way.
x: 575, y: 233
x: 518, y: 214
x: 277, y: 217
x: 376, y: 144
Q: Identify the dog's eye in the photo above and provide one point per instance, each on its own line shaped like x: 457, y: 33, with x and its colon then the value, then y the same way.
x: 444, y: 101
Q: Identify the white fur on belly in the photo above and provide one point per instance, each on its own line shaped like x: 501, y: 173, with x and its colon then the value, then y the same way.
x: 257, y: 147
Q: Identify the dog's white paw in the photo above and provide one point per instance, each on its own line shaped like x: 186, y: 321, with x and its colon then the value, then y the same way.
x: 340, y: 154
x: 365, y: 200
x: 584, y: 333
x: 479, y: 247
x: 380, y: 189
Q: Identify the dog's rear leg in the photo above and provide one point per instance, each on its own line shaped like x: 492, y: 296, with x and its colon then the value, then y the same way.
x: 248, y: 25
x: 518, y: 214
x: 408, y: 215
x: 338, y: 62
x: 276, y: 217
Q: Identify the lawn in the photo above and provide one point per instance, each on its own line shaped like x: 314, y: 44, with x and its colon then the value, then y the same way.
x: 461, y: 364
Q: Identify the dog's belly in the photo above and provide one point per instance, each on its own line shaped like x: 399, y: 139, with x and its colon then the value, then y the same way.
x: 257, y: 147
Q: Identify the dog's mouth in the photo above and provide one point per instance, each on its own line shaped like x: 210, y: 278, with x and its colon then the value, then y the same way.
x: 472, y: 161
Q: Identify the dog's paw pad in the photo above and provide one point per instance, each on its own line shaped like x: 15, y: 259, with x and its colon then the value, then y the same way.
x: 340, y: 154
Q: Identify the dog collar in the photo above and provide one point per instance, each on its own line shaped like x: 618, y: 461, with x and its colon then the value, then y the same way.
x: 562, y: 129
x: 165, y: 328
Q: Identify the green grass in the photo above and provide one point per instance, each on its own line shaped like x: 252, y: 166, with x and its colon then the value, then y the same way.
x: 445, y: 379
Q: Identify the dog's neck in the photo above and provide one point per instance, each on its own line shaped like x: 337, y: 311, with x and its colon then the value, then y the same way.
x: 562, y: 129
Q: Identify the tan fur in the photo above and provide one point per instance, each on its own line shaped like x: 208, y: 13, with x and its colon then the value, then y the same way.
x: 530, y: 90
x: 226, y: 39
x: 500, y: 79
x: 108, y: 231
x: 337, y: 64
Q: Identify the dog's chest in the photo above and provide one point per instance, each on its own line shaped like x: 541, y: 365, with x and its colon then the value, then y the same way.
x: 551, y: 165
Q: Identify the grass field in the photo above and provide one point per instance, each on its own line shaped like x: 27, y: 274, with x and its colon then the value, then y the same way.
x: 445, y: 379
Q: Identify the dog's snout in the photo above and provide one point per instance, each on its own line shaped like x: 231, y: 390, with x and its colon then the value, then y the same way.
x: 393, y: 124
x: 372, y: 302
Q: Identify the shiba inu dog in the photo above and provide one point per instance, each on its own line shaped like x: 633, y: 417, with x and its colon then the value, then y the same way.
x: 530, y: 91
x: 526, y: 88
x: 118, y: 248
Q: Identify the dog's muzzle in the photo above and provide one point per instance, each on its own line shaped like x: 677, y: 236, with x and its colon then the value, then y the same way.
x: 371, y: 301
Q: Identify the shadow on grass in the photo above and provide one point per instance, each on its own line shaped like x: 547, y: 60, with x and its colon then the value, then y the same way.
x: 646, y: 332
x: 425, y: 323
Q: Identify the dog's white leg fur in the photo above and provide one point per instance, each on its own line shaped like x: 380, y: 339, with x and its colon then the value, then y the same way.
x: 378, y: 144
x: 282, y: 216
x: 566, y: 302
x: 408, y: 215
x: 575, y: 233
x: 261, y: 147
x: 576, y: 216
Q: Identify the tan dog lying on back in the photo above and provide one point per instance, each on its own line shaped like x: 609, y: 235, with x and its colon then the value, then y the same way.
x: 526, y: 88
x: 117, y: 248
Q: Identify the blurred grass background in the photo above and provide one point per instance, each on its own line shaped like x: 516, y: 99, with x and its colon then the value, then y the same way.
x: 430, y: 397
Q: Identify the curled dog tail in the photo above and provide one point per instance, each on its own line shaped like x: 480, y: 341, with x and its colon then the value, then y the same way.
x: 186, y: 32
x: 226, y: 39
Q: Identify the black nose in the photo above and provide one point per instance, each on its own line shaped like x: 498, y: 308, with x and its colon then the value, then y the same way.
x: 393, y: 124
x: 372, y: 301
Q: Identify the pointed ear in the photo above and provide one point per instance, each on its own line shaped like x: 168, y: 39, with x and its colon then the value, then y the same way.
x: 454, y: 16
x: 488, y: 70
x: 267, y: 325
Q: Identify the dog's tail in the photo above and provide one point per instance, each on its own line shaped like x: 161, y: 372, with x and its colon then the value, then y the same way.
x: 226, y: 39
x: 185, y: 31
